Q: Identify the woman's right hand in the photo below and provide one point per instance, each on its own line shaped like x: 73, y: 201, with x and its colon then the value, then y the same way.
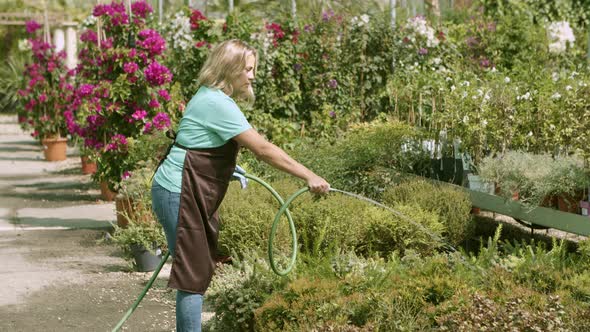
x: 318, y: 185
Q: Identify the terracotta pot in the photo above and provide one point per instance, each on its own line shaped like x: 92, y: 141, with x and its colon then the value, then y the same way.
x: 105, y: 193
x: 475, y: 210
x: 54, y: 149
x: 88, y: 167
x: 549, y: 202
x: 127, y: 211
x: 568, y: 203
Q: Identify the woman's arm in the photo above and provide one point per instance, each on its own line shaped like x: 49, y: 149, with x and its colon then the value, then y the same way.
x: 276, y: 157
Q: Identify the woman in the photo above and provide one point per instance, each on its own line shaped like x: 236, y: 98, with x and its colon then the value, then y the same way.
x: 191, y: 182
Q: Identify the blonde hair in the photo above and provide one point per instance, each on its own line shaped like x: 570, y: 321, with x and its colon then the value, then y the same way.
x: 225, y: 63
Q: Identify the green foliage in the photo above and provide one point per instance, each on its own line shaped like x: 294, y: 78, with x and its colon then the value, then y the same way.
x: 148, y: 235
x: 452, y: 206
x: 385, y: 233
x: 11, y: 80
x: 236, y: 291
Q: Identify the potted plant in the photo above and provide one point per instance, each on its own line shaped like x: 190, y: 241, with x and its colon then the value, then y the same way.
x: 122, y: 90
x: 142, y: 243
x: 568, y: 181
x: 46, y: 96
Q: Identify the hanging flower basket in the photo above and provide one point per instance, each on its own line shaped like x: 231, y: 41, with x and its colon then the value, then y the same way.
x: 54, y: 149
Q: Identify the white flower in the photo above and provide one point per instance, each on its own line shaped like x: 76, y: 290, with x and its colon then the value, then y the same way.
x: 552, y: 127
x: 479, y: 92
x: 554, y: 76
x: 494, y: 70
x: 365, y: 18
x: 464, y: 83
x: 568, y: 88
x: 466, y: 119
x: 560, y: 34
x: 487, y: 96
x: 484, y: 123
x: 582, y: 83
x: 448, y: 79
x: 419, y: 25
x: 464, y: 95
x: 507, y: 79
x: 436, y: 61
x: 556, y: 96
x: 530, y: 134
x: 574, y: 74
x: 453, y: 88
x: 24, y: 45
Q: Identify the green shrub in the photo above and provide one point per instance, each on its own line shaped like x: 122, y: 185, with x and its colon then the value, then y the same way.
x: 237, y: 290
x: 329, y: 225
x: 386, y: 232
x: 247, y: 216
x: 451, y: 205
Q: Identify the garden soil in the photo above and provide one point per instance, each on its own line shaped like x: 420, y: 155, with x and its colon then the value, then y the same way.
x: 58, y: 271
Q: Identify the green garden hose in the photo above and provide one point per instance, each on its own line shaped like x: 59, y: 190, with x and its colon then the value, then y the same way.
x: 283, y: 210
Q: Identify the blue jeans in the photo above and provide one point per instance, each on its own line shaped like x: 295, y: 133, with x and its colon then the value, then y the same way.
x: 166, y: 205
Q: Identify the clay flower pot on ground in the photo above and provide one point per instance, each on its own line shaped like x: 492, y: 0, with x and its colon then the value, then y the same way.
x: 106, y: 193
x: 54, y: 149
x: 130, y: 210
x: 88, y: 166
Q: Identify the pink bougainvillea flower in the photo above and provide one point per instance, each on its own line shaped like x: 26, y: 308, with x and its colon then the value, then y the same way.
x: 130, y: 67
x: 151, y: 41
x: 161, y: 121
x: 139, y: 114
x: 126, y: 175
x: 154, y: 103
x: 141, y: 9
x: 32, y: 26
x: 164, y: 94
x: 157, y: 74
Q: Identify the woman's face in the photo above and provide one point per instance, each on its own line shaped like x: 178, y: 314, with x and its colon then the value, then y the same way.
x: 243, y: 83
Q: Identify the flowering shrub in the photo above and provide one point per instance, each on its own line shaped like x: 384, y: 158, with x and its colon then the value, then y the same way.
x: 48, y: 90
x: 190, y: 36
x: 122, y: 88
x: 560, y: 36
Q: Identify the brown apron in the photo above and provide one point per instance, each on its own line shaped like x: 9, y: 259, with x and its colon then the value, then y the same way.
x: 205, y: 178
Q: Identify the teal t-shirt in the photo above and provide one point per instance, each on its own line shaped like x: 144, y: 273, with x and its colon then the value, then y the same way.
x: 210, y: 119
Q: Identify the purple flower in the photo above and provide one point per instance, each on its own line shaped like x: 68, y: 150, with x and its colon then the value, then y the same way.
x: 100, y: 10
x: 139, y: 114
x: 32, y: 26
x: 297, y: 67
x: 85, y: 90
x: 157, y: 74
x: 126, y: 175
x: 332, y: 114
x: 161, y: 121
x: 422, y: 51
x: 154, y: 103
x: 492, y: 26
x: 485, y: 62
x: 333, y: 83
x: 471, y: 42
x: 118, y: 142
x: 42, y: 98
x: 152, y: 42
x: 89, y: 36
x: 130, y: 67
x: 147, y: 128
x: 164, y: 94
x: 308, y: 28
x: 141, y: 9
